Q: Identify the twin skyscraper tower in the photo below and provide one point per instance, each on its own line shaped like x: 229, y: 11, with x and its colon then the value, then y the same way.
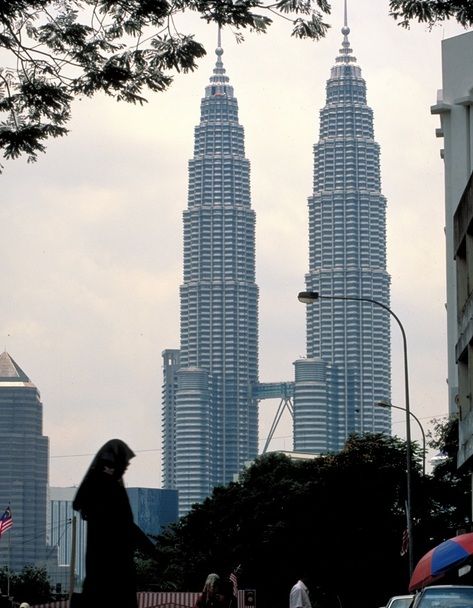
x: 211, y: 389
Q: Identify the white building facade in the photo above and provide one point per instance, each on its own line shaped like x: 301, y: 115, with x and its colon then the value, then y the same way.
x: 455, y: 108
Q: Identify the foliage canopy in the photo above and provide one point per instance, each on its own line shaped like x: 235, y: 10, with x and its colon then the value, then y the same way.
x: 55, y: 50
x: 337, y: 517
x: 432, y: 11
x: 30, y: 585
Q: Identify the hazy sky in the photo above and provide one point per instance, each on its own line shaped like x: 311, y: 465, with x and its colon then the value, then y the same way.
x: 91, y: 235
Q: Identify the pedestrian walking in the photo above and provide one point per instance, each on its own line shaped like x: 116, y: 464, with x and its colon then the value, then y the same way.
x: 112, y: 536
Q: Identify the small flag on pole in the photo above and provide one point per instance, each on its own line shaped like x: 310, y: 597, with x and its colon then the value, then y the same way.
x: 6, y: 521
x: 234, y: 580
x: 404, y: 543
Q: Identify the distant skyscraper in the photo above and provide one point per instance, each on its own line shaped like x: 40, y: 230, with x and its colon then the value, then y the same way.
x: 348, y: 343
x: 208, y: 409
x: 24, y: 467
x: 60, y: 535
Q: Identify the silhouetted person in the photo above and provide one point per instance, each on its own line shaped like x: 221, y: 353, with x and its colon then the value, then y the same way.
x: 112, y: 536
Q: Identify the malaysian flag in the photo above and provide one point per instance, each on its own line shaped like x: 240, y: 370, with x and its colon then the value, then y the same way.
x: 404, y: 543
x: 234, y: 580
x: 6, y: 521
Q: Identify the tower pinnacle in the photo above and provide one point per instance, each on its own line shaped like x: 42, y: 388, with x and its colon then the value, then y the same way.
x: 219, y: 81
x: 346, y: 51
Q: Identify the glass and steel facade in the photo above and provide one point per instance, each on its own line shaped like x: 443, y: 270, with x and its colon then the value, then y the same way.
x: 348, y: 342
x: 212, y: 415
x: 60, y: 518
x: 153, y: 508
x: 24, y: 452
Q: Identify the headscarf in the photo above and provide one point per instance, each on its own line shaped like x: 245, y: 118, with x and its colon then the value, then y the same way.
x: 211, y: 583
x: 111, y: 461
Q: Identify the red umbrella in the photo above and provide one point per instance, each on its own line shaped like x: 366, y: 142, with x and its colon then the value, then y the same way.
x: 441, y: 559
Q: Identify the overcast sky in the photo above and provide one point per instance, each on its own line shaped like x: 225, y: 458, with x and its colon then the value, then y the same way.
x: 91, y: 235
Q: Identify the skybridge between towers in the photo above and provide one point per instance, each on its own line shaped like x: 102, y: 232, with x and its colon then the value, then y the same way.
x: 275, y: 390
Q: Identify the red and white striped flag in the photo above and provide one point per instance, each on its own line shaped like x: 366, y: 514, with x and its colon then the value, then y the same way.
x: 234, y: 580
x: 405, y: 543
x: 6, y: 521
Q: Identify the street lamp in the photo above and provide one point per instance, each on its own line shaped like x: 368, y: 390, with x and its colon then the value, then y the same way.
x: 403, y: 409
x: 308, y: 297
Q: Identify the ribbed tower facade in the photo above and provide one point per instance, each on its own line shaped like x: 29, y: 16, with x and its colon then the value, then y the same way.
x: 24, y: 452
x: 348, y: 366
x: 214, y: 417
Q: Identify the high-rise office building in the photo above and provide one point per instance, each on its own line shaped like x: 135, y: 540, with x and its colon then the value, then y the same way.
x: 348, y: 365
x: 23, y: 467
x: 207, y: 404
x: 60, y: 516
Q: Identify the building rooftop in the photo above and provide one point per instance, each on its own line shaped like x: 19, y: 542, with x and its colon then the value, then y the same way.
x: 11, y: 372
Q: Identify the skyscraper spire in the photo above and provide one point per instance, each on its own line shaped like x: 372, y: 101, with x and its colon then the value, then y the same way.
x: 219, y: 81
x: 345, y: 55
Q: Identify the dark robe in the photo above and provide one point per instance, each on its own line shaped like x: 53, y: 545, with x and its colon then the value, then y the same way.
x: 112, y: 536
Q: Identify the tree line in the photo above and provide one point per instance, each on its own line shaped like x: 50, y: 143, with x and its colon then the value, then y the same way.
x: 338, y: 518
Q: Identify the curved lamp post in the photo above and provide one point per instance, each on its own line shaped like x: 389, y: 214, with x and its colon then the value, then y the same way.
x: 308, y: 297
x: 403, y: 409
